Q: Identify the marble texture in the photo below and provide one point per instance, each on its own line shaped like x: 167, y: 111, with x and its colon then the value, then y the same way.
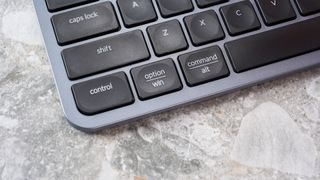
x: 270, y: 131
x: 273, y: 140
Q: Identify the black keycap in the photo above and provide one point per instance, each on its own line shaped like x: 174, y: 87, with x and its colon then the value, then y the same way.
x: 103, y: 94
x: 167, y: 37
x: 203, y: 66
x: 308, y: 7
x: 56, y: 5
x: 240, y: 17
x: 275, y: 45
x: 156, y: 79
x: 85, y: 23
x: 137, y: 12
x: 170, y: 8
x: 207, y: 3
x: 105, y: 54
x: 276, y: 11
x: 204, y: 27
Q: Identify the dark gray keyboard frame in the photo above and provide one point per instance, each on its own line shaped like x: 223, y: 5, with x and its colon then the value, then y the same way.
x: 185, y: 96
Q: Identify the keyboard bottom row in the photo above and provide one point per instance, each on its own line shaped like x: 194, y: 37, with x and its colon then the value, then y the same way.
x: 205, y: 65
x: 150, y: 81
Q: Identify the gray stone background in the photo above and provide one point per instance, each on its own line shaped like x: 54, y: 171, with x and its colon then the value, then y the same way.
x: 270, y: 131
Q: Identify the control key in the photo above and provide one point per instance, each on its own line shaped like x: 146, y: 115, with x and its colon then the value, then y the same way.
x: 103, y: 94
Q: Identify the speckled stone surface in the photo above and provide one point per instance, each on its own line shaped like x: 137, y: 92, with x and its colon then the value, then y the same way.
x: 270, y: 131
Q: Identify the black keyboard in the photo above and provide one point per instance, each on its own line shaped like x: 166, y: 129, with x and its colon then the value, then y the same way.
x: 121, y: 60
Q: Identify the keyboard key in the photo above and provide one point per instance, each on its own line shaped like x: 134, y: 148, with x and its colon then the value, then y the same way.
x: 56, y: 5
x: 240, y: 18
x: 84, y: 23
x: 203, y: 66
x: 103, y: 94
x: 167, y: 37
x: 156, y: 79
x: 276, y: 11
x: 308, y: 7
x: 170, y: 8
x: 137, y: 12
x: 207, y: 3
x: 105, y: 54
x: 204, y: 27
x: 274, y: 45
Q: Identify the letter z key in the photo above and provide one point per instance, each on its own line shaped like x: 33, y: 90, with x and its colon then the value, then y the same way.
x: 167, y: 38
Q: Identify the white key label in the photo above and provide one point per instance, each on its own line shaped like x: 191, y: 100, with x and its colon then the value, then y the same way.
x: 165, y: 32
x: 202, y: 22
x: 135, y: 4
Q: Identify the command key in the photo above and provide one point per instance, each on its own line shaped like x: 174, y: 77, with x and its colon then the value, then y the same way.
x: 203, y: 66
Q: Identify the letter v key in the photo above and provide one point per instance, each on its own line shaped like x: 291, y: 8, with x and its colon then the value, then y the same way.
x: 274, y: 2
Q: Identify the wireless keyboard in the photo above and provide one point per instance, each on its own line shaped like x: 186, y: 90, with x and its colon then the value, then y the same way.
x: 120, y: 60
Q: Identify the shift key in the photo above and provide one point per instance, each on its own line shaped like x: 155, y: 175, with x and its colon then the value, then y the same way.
x: 105, y: 54
x: 83, y: 23
x: 103, y: 94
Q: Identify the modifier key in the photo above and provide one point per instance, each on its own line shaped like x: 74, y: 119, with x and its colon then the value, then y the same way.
x: 105, y: 54
x: 156, y: 79
x: 85, y: 23
x: 203, y: 66
x: 103, y: 94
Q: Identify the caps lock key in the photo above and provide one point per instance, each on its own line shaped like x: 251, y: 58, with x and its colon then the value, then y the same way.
x: 84, y: 23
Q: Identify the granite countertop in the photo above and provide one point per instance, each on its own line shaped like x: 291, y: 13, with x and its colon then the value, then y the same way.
x: 270, y: 131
